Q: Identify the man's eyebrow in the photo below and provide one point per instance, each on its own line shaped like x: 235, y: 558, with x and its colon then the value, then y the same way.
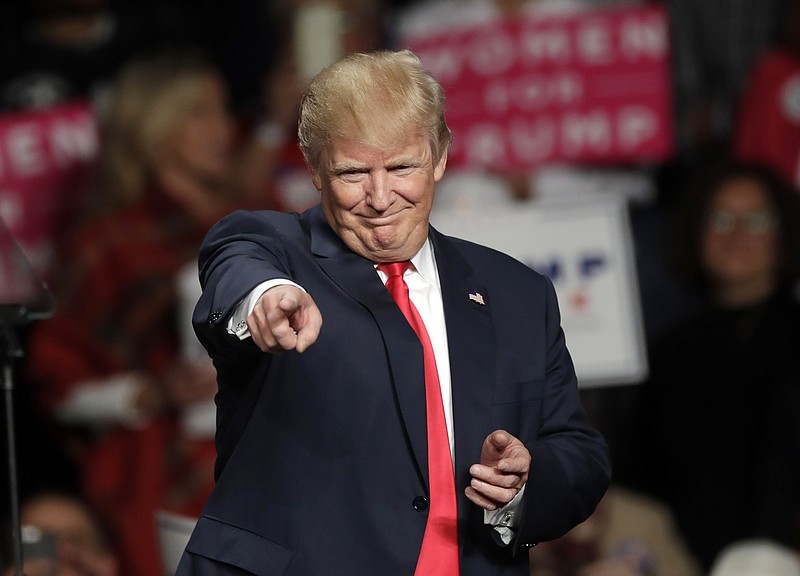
x: 353, y: 166
x: 406, y: 161
x: 341, y: 167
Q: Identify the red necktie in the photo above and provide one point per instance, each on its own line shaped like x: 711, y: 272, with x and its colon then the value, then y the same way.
x: 439, y: 553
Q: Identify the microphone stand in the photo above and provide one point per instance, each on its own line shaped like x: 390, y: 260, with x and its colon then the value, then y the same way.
x: 24, y: 297
x: 10, y: 317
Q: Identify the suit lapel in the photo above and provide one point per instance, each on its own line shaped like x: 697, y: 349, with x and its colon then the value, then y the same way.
x: 357, y: 277
x: 471, y: 343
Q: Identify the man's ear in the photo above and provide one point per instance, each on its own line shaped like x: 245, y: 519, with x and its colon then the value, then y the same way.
x: 315, y: 176
x: 438, y: 170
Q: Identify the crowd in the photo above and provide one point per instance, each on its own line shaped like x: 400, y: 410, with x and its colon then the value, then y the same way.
x: 196, y: 107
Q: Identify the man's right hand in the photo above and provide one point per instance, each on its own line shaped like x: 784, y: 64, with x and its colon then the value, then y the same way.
x: 284, y: 318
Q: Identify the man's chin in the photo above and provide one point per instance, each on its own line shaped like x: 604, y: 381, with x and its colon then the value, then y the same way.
x: 383, y: 246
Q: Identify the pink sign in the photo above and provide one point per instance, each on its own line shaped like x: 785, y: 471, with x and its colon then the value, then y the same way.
x: 45, y: 157
x: 591, y: 86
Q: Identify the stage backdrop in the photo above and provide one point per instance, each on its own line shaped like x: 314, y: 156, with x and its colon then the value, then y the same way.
x: 585, y: 248
x: 591, y: 86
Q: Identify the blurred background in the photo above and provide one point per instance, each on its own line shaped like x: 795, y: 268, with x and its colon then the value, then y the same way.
x: 643, y: 154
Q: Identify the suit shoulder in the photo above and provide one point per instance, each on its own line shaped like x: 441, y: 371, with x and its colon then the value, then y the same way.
x: 242, y: 223
x: 483, y: 257
x: 259, y: 218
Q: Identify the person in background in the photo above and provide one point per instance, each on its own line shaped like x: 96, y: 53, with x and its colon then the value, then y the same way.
x: 767, y: 128
x: 54, y: 51
x: 782, y: 454
x: 705, y: 444
x: 629, y: 534
x: 715, y: 45
x: 270, y: 161
x: 63, y: 536
x: 113, y: 367
x: 434, y: 427
x: 308, y: 36
x: 756, y: 556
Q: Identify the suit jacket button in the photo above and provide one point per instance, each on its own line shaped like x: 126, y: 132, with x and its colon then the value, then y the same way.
x: 420, y: 503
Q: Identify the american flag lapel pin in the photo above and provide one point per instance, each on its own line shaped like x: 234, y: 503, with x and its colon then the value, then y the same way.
x: 477, y: 297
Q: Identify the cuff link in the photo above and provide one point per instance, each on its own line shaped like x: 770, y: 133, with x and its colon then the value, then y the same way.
x: 506, y: 519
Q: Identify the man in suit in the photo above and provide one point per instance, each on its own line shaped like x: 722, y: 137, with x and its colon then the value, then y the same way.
x: 328, y: 457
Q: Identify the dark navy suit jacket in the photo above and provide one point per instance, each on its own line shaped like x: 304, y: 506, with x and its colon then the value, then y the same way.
x: 322, y: 455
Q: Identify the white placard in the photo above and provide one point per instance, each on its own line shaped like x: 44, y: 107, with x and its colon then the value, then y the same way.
x: 586, y: 249
x: 174, y: 531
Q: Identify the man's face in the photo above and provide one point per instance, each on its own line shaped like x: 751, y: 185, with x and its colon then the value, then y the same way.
x: 378, y: 200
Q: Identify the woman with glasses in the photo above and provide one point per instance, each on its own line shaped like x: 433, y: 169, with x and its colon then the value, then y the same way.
x: 710, y: 439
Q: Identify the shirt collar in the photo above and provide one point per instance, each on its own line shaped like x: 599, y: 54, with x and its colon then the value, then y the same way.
x: 425, y: 264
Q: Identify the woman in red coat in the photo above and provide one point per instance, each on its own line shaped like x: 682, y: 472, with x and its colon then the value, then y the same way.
x: 117, y: 366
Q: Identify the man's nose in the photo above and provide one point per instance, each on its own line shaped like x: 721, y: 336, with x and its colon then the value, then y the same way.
x: 379, y: 191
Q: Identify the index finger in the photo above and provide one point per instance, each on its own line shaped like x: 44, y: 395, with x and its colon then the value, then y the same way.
x: 268, y: 323
x: 307, y: 321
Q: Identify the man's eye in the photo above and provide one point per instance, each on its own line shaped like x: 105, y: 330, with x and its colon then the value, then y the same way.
x: 351, y: 175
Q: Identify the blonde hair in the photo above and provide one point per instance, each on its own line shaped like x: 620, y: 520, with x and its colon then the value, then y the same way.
x: 150, y: 100
x: 378, y: 97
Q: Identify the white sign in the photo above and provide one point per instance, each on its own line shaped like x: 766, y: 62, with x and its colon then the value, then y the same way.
x: 174, y: 532
x: 586, y: 250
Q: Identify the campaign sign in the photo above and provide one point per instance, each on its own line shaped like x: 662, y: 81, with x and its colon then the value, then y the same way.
x: 585, y: 248
x: 591, y: 86
x: 45, y: 158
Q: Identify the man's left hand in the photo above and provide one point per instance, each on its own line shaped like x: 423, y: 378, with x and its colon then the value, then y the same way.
x: 502, y: 472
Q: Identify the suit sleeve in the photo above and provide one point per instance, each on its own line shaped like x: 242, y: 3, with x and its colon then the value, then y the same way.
x: 239, y: 253
x: 570, y: 465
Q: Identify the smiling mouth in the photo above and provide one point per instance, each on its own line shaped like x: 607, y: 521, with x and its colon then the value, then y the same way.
x: 381, y: 219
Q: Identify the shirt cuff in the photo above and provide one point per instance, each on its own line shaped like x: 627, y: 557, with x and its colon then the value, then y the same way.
x: 237, y: 323
x: 505, y: 520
